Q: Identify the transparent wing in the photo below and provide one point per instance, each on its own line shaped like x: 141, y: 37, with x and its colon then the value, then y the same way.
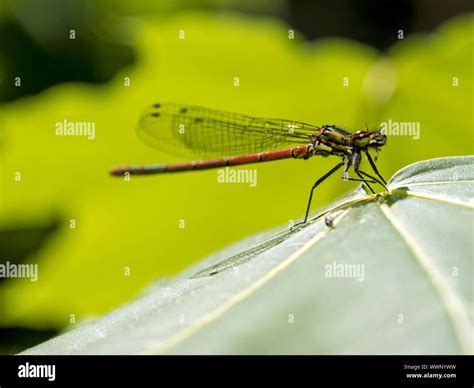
x: 188, y: 131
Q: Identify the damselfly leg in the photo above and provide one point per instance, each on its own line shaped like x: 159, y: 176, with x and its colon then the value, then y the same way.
x: 359, y: 172
x: 316, y: 184
x: 353, y: 161
x: 374, y: 167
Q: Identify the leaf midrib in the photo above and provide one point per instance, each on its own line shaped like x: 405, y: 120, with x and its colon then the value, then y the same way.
x: 456, y: 309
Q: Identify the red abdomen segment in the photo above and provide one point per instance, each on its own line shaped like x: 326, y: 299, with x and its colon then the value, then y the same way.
x: 297, y: 152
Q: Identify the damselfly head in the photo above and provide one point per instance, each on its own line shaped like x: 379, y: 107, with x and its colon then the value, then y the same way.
x: 369, y: 139
x: 378, y: 138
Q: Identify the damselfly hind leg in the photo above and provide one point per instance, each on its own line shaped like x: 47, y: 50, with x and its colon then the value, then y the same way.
x: 316, y: 184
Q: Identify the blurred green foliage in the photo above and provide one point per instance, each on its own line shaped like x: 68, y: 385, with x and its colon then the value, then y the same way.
x: 136, y: 223
x: 34, y: 37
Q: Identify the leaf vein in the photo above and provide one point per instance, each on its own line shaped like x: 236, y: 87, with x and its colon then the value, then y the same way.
x: 453, y: 304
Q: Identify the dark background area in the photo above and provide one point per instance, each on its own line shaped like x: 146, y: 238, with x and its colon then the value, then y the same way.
x: 30, y: 40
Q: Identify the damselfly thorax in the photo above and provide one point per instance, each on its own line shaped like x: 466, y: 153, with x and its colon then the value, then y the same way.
x: 332, y: 140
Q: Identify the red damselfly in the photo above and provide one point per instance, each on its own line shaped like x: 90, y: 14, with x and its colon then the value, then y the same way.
x: 221, y: 139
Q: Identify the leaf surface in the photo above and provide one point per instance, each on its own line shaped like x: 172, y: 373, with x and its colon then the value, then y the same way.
x: 393, y: 275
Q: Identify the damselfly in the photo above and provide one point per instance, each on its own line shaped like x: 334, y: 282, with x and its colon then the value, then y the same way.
x: 223, y: 139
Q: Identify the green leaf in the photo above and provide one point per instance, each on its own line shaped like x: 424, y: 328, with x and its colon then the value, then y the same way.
x: 392, y: 275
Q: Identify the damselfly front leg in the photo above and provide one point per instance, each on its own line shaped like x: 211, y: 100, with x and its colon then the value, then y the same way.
x: 373, y: 179
x: 355, y: 161
x: 359, y: 172
x: 374, y: 167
